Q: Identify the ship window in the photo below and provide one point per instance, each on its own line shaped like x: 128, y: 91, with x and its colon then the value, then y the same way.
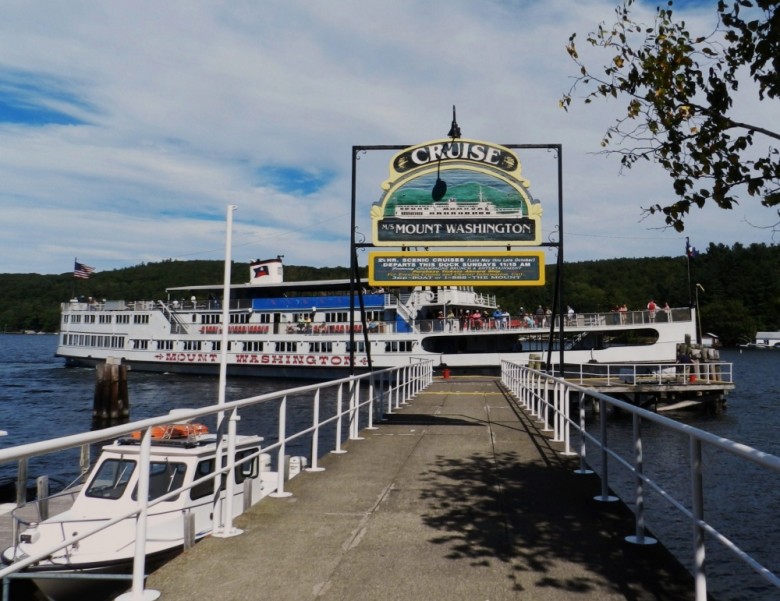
x: 360, y: 346
x: 336, y: 316
x: 192, y: 345
x: 105, y: 318
x: 75, y: 319
x: 111, y: 479
x: 123, y: 319
x: 140, y: 344
x: 321, y: 347
x: 286, y: 347
x: 398, y: 346
x: 140, y: 319
x: 253, y: 345
x: 163, y: 478
x: 164, y: 345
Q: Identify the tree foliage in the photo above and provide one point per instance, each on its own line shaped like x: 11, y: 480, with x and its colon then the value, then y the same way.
x: 681, y: 89
x: 741, y: 287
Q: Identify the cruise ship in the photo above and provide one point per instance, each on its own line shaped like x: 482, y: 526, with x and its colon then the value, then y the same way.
x: 455, y: 209
x: 327, y: 329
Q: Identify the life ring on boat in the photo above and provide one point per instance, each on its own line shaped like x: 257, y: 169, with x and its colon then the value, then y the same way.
x: 173, y: 431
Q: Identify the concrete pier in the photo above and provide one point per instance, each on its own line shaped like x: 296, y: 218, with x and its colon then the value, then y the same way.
x: 459, y: 495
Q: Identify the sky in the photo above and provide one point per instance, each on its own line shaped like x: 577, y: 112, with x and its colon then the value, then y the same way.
x: 127, y: 129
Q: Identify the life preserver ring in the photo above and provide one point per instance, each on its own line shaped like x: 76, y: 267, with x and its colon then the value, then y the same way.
x: 173, y: 431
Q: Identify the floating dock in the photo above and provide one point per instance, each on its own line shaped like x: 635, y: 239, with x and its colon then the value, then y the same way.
x: 458, y: 495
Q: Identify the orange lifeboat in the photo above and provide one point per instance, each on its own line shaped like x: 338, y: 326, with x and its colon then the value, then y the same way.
x: 173, y: 431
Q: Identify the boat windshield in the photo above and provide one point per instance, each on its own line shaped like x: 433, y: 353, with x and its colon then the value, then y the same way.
x: 163, y: 478
x: 111, y: 479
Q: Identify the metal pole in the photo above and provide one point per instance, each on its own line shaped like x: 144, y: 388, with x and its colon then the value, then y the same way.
x: 137, y: 592
x: 697, y: 510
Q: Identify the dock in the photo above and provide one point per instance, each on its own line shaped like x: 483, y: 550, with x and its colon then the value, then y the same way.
x: 457, y: 495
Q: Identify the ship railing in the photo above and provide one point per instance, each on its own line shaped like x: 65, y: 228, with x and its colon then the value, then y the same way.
x: 561, y: 406
x: 695, y: 370
x: 177, y: 325
x: 339, y: 409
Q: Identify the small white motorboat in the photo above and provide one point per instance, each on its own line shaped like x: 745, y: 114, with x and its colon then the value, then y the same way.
x: 181, y: 454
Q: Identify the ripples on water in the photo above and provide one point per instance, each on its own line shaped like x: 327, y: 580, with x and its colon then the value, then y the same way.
x: 40, y: 399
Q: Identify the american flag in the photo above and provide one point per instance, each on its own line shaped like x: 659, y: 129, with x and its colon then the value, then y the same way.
x: 82, y: 271
x: 690, y: 251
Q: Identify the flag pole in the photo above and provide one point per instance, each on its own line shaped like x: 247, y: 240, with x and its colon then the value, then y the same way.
x: 688, y: 259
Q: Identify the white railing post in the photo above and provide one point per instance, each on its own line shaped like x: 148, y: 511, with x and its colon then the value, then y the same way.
x: 604, y: 497
x: 137, y: 592
x: 697, y: 513
x: 339, y: 418
x: 315, y: 435
x: 566, y: 420
x: 583, y: 462
x: 226, y: 529
x: 639, y: 537
x: 280, y: 459
x: 370, y: 404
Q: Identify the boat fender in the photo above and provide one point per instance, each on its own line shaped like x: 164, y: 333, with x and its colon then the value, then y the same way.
x: 295, y: 465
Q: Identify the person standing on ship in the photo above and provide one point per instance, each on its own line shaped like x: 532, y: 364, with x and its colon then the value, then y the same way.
x: 651, y: 309
x: 498, y: 318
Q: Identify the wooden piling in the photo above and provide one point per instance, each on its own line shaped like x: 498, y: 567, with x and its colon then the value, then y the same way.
x: 111, y: 397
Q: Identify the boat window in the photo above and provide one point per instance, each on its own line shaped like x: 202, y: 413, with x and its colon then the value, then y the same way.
x: 248, y: 469
x: 111, y: 479
x: 204, y: 489
x: 163, y: 478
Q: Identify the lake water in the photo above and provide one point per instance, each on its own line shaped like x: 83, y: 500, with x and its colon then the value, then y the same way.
x: 40, y: 399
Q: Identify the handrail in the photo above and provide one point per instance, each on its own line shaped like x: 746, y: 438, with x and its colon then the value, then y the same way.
x: 532, y: 389
x: 387, y: 390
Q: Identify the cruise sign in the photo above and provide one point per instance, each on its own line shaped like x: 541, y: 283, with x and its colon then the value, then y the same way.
x: 456, y: 193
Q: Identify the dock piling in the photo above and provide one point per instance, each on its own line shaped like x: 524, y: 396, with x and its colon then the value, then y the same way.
x: 111, y: 396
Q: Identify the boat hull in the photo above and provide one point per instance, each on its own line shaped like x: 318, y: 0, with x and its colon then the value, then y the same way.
x: 77, y: 582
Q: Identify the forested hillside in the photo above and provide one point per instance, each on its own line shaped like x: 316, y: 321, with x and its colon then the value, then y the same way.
x: 739, y: 289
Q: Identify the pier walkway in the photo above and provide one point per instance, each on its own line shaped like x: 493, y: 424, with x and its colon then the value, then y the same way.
x: 458, y: 495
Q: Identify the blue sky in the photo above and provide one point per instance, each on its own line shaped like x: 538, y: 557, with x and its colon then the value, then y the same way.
x: 126, y: 129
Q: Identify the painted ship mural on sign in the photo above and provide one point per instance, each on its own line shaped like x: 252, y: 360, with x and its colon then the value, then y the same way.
x: 463, y: 192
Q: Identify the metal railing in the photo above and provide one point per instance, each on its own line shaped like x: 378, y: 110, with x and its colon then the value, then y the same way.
x: 609, y: 374
x: 358, y: 401
x: 560, y: 405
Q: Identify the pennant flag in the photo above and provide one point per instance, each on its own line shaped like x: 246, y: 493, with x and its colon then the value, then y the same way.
x: 82, y: 271
x: 690, y: 251
x: 260, y: 271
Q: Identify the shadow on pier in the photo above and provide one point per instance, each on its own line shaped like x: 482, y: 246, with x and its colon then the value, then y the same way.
x: 456, y: 496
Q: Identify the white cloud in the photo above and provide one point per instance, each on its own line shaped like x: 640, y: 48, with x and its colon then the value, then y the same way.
x: 184, y: 105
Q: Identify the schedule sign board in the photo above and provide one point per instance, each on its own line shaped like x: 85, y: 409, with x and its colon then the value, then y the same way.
x: 470, y: 268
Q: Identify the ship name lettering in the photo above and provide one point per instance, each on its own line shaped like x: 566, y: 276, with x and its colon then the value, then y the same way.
x: 314, y: 360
